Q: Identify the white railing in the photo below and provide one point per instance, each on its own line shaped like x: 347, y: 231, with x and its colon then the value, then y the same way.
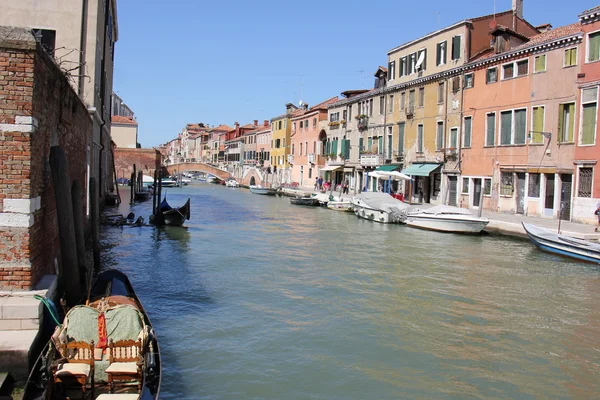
x: 371, y: 159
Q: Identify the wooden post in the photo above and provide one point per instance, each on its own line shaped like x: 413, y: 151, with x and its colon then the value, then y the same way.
x: 95, y: 210
x: 481, y: 198
x: 115, y: 175
x: 79, y: 231
x: 69, y: 273
x: 154, y: 191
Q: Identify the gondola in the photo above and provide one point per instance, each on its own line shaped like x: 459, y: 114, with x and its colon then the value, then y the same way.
x: 304, y: 201
x: 113, y: 323
x: 174, y: 216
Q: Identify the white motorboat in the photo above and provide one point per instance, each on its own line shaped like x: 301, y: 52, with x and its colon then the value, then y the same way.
x: 230, y: 182
x: 167, y: 182
x: 446, y: 219
x: 257, y: 189
x: 342, y: 205
x: 211, y: 179
x: 564, y: 245
x: 379, y: 207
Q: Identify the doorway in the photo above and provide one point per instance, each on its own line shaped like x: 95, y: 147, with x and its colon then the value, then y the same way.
x: 565, y: 196
x: 452, y: 184
x: 520, y: 193
x: 476, y: 192
x: 549, y: 193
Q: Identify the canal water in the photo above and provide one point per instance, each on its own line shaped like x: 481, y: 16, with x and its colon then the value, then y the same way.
x: 259, y: 299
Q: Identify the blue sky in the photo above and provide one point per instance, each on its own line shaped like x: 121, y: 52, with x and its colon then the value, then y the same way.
x: 189, y: 61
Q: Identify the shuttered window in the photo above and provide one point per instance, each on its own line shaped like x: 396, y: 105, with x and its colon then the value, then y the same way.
x: 490, y: 129
x: 538, y: 125
x: 540, y: 63
x: 361, y: 144
x: 453, y: 138
x: 419, y: 138
x: 590, y: 110
x: 401, y: 137
x: 520, y: 126
x: 440, y: 56
x: 456, y: 47
x: 505, y: 127
x: 594, y: 46
x: 439, y: 139
x: 491, y: 75
x: 380, y: 145
x: 566, y: 122
x: 467, y: 132
x: 370, y: 144
x: 570, y: 57
x: 534, y: 185
x: 421, y: 97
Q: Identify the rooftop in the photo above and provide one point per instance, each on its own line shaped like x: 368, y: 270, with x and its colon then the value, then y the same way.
x: 117, y: 119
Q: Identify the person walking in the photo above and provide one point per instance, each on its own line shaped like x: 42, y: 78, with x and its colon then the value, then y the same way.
x: 597, y: 212
x: 345, y: 186
x: 316, y: 183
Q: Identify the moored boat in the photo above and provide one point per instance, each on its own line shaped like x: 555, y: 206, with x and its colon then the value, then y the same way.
x: 304, y: 201
x: 379, y: 207
x: 174, y: 216
x: 444, y: 218
x: 257, y: 189
x: 104, y: 349
x: 563, y: 245
x: 342, y: 205
x: 231, y: 182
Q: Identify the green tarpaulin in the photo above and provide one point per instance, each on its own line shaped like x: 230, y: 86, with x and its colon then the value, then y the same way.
x: 387, y: 168
x: 420, y: 169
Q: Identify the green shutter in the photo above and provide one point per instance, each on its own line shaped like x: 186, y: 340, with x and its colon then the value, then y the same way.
x: 589, y: 123
x: 380, y: 145
x: 520, y: 126
x: 361, y: 143
x: 540, y: 63
x: 538, y: 124
x: 571, y: 110
x: 401, y: 138
x: 370, y: 144
x: 343, y: 150
x: 505, y: 127
x: 491, y: 130
x: 347, y: 149
x: 438, y: 53
x: 594, y: 47
x: 467, y: 132
x: 456, y: 47
x: 334, y: 146
x: 440, y: 136
x: 562, y: 137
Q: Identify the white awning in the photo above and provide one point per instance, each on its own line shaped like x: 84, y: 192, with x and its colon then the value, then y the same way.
x: 394, y: 174
x: 331, y: 168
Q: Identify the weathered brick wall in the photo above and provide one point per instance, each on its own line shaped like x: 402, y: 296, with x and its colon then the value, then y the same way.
x: 144, y: 159
x: 32, y: 85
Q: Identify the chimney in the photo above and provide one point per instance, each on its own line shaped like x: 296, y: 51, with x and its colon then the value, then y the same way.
x: 266, y: 122
x: 237, y: 129
x: 255, y: 122
x: 517, y: 8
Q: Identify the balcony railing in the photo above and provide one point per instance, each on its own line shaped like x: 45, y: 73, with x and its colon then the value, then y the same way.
x: 363, y: 123
x: 371, y: 160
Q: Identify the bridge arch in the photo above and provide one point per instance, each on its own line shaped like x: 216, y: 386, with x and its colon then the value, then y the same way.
x: 196, y: 166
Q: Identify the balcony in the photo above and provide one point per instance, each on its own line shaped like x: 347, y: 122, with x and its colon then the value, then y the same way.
x: 311, y: 158
x: 451, y: 153
x: 371, y: 160
x: 398, y: 156
x: 363, y: 122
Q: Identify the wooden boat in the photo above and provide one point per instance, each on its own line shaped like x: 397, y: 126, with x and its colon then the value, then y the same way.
x: 256, y: 189
x: 342, y: 205
x: 83, y: 357
x: 174, y: 216
x: 563, y: 245
x: 379, y: 207
x: 304, y: 201
x: 445, y: 219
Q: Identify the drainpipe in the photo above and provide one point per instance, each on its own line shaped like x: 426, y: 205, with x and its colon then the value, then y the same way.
x: 447, y: 89
x: 82, y: 47
x: 103, y: 95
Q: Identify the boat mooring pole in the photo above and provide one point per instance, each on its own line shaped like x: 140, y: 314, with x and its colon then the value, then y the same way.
x: 482, y: 187
x: 154, y: 194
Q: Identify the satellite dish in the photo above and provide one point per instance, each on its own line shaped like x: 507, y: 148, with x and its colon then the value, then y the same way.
x: 300, y: 103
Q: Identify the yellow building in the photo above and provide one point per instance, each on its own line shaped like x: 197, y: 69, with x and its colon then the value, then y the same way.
x: 280, y: 143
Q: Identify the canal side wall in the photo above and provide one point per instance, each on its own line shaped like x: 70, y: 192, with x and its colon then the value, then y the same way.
x: 38, y: 109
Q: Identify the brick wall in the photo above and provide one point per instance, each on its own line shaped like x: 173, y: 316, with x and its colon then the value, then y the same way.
x: 144, y: 159
x: 38, y: 108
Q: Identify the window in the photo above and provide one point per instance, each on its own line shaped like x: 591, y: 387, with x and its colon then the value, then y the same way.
x: 411, y: 99
x: 300, y: 149
x: 585, y: 182
x: 392, y: 70
x: 439, y: 138
x: 370, y: 107
x: 294, y: 126
x: 315, y: 120
x: 491, y: 75
x: 421, y: 97
x: 402, y: 100
x: 516, y: 68
x: 467, y: 132
x: 566, y: 122
x: 468, y: 81
x: 334, y: 117
x: 465, y: 186
x: 593, y: 50
x: 540, y: 63
x: 412, y: 63
x: 403, y: 66
x: 361, y: 144
x: 589, y: 100
x: 453, y: 138
x: 391, y: 105
x: 441, y: 93
x: 570, y: 57
x: 487, y: 187
x: 421, y: 60
x: 344, y: 117
x: 47, y: 38
x: 381, y: 105
x: 506, y: 183
x: 419, y: 138
x: 389, y: 143
x: 456, y: 47
x: 534, y: 185
x: 440, y: 54
x: 537, y: 125
x: 349, y: 112
x: 513, y: 127
x: 401, y: 137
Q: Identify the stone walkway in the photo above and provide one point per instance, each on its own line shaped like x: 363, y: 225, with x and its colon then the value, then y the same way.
x: 506, y: 223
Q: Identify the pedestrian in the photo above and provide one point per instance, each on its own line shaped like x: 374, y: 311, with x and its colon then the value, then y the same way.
x: 345, y: 186
x: 316, y: 183
x: 320, y: 183
x: 597, y: 212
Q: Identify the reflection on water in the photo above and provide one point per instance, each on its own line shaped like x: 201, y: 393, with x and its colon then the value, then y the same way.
x: 257, y: 298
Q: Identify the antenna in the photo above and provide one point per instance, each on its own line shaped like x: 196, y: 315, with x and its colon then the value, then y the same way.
x: 438, y: 18
x: 301, y: 85
x: 362, y: 76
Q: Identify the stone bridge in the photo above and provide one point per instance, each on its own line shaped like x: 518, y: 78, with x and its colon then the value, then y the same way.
x: 198, y: 167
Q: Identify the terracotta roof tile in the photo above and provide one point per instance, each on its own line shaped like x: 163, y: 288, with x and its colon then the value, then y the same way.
x: 117, y: 119
x: 324, y: 104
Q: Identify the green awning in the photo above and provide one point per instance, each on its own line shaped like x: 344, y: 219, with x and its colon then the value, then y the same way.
x: 387, y: 168
x: 420, y: 169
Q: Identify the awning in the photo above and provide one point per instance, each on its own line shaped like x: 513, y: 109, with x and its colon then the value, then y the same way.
x: 331, y: 168
x: 387, y: 168
x: 420, y: 169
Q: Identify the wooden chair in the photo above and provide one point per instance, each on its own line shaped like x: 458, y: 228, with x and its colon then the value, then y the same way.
x: 125, y: 362
x: 76, y: 366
